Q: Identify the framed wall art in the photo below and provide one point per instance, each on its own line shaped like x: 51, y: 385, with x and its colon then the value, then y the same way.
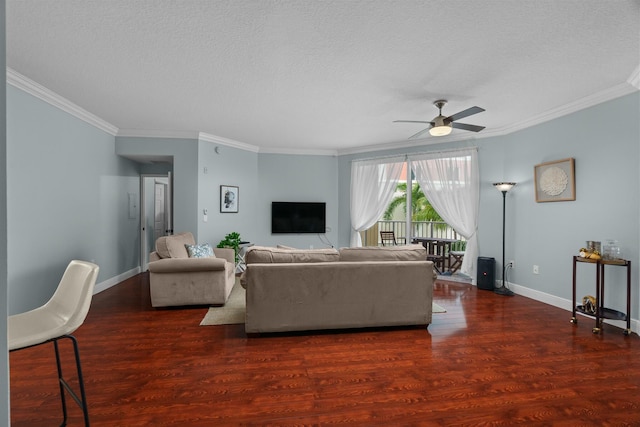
x: 229, y: 199
x: 555, y: 181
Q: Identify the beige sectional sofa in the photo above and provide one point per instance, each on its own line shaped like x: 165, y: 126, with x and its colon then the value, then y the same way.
x: 292, y: 290
x: 176, y: 279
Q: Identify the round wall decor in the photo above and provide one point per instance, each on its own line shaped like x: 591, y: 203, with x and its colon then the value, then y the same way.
x: 553, y: 181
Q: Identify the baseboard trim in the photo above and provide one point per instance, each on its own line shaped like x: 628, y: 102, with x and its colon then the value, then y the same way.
x: 565, y: 304
x: 103, y: 286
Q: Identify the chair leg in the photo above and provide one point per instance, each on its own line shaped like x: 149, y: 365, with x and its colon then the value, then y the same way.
x: 60, y: 380
x: 65, y: 387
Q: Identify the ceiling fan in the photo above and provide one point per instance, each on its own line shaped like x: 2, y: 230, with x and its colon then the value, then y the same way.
x: 441, y: 125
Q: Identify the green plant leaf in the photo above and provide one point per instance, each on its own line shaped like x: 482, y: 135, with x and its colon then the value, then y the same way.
x: 232, y: 240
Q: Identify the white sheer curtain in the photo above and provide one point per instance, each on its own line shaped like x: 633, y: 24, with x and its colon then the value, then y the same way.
x: 373, y: 183
x: 451, y: 182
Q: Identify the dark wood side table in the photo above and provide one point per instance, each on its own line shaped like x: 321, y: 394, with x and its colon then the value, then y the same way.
x: 601, y: 311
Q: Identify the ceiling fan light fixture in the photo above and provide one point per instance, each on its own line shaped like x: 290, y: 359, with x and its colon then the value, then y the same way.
x: 443, y: 130
x: 440, y: 127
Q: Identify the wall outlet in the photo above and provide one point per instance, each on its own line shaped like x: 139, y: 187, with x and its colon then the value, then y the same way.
x: 536, y: 269
x: 511, y: 264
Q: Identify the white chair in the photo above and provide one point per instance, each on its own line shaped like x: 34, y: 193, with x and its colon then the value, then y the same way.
x: 58, y: 319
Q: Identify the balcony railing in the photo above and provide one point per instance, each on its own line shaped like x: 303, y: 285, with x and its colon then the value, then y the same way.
x: 371, y: 237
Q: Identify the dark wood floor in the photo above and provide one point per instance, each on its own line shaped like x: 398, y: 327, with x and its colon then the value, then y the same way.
x: 489, y: 360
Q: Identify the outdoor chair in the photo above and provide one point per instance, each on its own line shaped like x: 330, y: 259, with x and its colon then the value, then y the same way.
x: 435, y: 254
x: 388, y: 238
x: 56, y: 320
x: 457, y: 255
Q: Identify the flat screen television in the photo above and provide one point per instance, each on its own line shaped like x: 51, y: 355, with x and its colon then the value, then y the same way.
x: 298, y: 217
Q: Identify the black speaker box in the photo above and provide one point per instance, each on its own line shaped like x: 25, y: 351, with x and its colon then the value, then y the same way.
x: 486, y: 273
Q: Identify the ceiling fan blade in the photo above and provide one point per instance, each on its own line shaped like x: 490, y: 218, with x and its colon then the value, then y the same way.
x: 409, y: 121
x: 465, y: 113
x: 464, y: 126
x: 420, y: 133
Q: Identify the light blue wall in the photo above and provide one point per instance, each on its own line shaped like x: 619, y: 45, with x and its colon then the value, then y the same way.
x: 263, y: 178
x: 4, y: 356
x: 606, y: 205
x: 228, y: 166
x: 199, y: 171
x: 297, y: 178
x: 549, y: 234
x: 185, y: 172
x: 67, y: 199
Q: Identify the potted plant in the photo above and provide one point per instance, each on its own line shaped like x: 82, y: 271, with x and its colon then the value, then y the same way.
x: 231, y: 240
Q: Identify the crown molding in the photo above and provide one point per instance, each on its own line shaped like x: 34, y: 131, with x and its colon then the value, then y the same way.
x: 421, y: 142
x: 178, y: 134
x: 151, y: 133
x: 202, y: 136
x: 394, y: 145
x: 581, y: 104
x: 299, y: 152
x: 29, y: 86
x: 589, y: 101
x: 634, y: 78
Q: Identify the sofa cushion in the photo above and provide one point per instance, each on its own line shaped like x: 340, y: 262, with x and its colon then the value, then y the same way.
x: 174, y: 246
x: 262, y: 255
x: 182, y: 266
x: 200, y: 251
x: 387, y: 253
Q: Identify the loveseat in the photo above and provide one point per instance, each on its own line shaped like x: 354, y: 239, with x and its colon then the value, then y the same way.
x: 177, y: 279
x: 294, y: 290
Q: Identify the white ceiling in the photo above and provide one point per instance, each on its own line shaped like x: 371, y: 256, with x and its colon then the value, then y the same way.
x: 325, y: 76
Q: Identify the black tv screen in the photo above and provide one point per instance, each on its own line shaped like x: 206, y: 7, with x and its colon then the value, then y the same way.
x: 298, y: 217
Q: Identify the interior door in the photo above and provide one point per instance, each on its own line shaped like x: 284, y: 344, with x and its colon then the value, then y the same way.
x: 160, y: 224
x: 155, y: 212
x: 168, y: 204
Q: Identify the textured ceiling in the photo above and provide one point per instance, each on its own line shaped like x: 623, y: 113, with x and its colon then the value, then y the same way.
x: 329, y: 75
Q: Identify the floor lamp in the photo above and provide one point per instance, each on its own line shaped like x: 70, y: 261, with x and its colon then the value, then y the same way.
x: 503, y: 187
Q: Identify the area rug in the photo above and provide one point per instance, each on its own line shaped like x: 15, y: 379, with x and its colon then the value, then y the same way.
x: 232, y: 313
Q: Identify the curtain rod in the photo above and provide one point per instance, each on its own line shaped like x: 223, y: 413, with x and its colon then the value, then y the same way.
x: 394, y: 156
x: 407, y: 156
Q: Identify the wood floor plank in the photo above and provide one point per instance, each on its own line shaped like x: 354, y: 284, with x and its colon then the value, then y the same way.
x: 489, y: 360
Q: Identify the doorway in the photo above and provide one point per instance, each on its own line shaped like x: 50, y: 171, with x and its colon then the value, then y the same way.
x: 156, y: 209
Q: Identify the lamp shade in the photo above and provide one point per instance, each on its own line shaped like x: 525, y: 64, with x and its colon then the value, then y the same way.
x: 504, y: 186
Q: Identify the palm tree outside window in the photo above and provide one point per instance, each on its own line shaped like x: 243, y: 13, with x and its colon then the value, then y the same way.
x: 450, y: 179
x: 421, y: 209
x: 425, y: 220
